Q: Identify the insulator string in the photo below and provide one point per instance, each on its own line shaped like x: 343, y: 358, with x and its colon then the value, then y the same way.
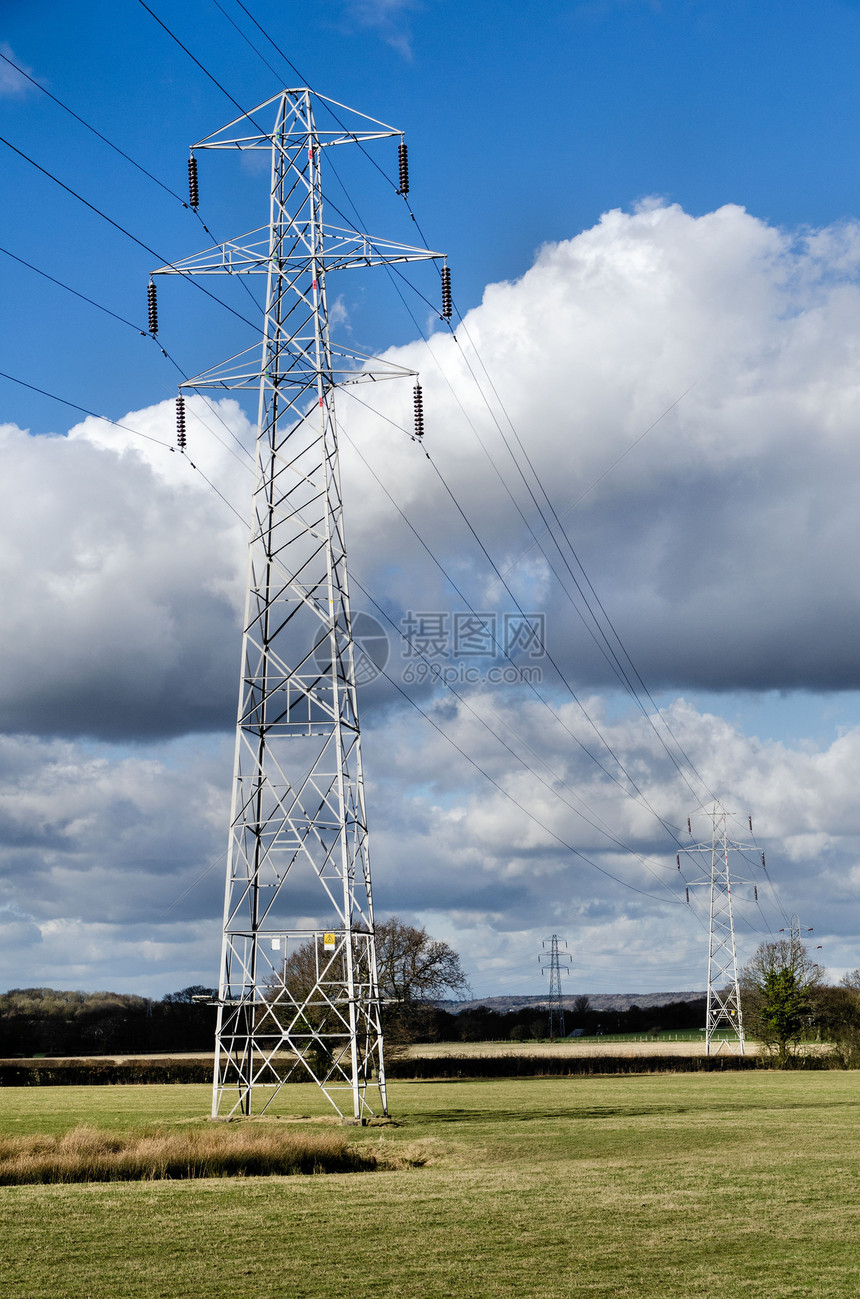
x: 193, y: 190
x: 418, y: 399
x: 152, y: 308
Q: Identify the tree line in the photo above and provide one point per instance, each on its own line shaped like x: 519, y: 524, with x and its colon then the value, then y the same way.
x: 483, y: 1024
x: 45, y: 1021
x: 785, y: 1004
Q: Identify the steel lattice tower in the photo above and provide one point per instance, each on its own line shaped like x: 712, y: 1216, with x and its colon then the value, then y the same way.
x: 723, y: 1009
x: 557, y: 966
x: 298, y: 984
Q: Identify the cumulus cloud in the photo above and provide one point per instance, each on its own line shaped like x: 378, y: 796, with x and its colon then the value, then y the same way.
x: 122, y: 574
x: 108, y: 858
x: 113, y: 859
x: 721, y: 544
x: 486, y: 857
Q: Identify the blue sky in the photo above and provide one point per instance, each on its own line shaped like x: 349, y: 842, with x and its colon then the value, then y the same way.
x: 724, y: 138
x: 524, y: 125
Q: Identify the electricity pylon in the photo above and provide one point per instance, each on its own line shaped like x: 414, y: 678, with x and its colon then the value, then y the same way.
x: 723, y: 1010
x: 796, y: 931
x: 557, y: 966
x: 298, y: 989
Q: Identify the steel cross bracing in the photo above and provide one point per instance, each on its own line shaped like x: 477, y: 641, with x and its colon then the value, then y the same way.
x: 298, y: 989
x: 723, y: 1009
x: 558, y: 965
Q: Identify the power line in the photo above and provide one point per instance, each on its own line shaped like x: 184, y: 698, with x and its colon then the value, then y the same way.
x: 193, y: 59
x: 558, y: 670
x: 602, y: 827
x: 599, y: 479
x: 558, y: 838
x: 624, y: 677
x: 73, y: 405
x: 98, y: 305
x: 122, y: 229
x: 501, y: 577
x: 617, y: 667
x: 245, y: 38
x: 143, y: 334
x: 93, y: 129
x: 548, y: 530
x: 83, y: 409
x: 147, y: 437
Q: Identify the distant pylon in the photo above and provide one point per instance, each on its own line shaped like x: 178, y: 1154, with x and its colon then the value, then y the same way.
x: 298, y: 991
x: 723, y: 1010
x: 558, y: 965
x: 796, y: 932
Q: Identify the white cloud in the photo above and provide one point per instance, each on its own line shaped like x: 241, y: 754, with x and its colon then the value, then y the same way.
x: 112, y: 861
x: 723, y: 543
x: 387, y: 17
x: 722, y: 546
x: 123, y: 575
x: 12, y: 84
x: 459, y: 849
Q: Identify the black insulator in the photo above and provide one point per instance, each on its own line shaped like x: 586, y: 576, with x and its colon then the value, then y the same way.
x: 180, y: 422
x: 419, y: 411
x: 751, y: 829
x: 687, y: 891
x: 678, y: 859
x: 762, y: 861
x: 153, y: 308
x: 446, y: 293
x: 755, y: 891
x: 403, y: 164
x: 193, y: 192
x: 689, y: 827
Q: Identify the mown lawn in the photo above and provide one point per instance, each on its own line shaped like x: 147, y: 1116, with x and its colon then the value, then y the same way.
x: 663, y: 1185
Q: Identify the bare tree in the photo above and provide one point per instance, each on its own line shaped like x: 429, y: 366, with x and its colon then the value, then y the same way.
x: 415, y: 967
x: 414, y: 970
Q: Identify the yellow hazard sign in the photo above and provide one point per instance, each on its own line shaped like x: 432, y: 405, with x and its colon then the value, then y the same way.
x: 328, y: 942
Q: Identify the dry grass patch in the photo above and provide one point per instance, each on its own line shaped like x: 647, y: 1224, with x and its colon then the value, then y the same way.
x: 425, y: 1152
x: 89, y: 1154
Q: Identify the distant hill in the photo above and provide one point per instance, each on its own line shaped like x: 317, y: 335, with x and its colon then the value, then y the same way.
x: 597, y: 1000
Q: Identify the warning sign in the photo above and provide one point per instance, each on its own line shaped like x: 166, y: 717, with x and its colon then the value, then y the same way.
x: 328, y: 942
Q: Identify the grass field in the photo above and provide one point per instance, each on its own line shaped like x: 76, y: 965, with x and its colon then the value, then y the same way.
x: 662, y: 1185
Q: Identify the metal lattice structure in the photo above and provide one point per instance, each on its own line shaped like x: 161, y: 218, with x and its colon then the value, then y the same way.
x: 558, y: 965
x: 298, y: 985
x: 723, y: 1008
